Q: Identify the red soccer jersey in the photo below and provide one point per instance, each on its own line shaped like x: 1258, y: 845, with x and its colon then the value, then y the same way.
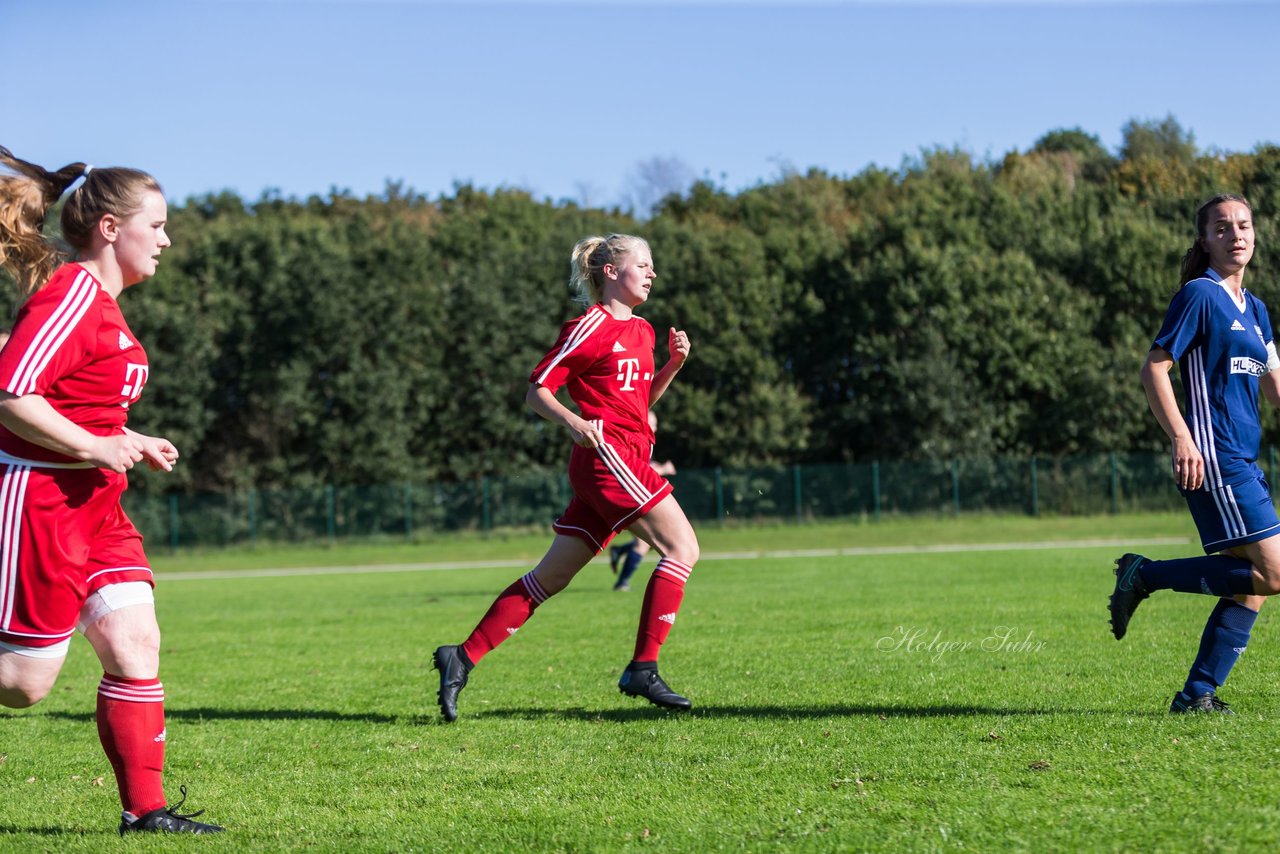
x: 70, y: 345
x: 608, y: 367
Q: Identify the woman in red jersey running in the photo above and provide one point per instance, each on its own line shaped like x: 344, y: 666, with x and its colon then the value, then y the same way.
x: 69, y: 556
x: 605, y: 357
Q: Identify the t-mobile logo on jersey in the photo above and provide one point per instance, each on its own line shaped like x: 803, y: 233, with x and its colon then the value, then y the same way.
x: 135, y: 377
x: 629, y: 372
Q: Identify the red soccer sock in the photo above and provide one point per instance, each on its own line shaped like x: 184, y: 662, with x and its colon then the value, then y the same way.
x: 662, y: 599
x: 131, y: 729
x: 513, y: 607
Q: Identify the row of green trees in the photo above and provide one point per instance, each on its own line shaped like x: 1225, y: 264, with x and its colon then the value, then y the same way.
x: 955, y: 307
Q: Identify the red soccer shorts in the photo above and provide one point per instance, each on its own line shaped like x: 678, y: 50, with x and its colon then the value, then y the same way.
x: 63, y: 535
x: 613, y: 485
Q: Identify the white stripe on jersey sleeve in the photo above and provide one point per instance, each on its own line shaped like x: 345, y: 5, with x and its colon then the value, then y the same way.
x: 56, y: 329
x: 589, y: 323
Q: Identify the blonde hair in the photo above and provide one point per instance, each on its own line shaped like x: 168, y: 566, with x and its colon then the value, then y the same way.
x: 590, y: 255
x: 25, y: 199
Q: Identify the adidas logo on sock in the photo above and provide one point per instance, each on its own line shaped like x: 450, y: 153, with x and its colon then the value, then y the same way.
x: 160, y: 738
x: 1204, y: 588
x: 511, y: 631
x: 668, y: 618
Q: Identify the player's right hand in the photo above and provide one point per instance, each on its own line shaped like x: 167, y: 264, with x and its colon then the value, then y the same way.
x: 119, y: 452
x: 1188, y: 464
x: 588, y: 434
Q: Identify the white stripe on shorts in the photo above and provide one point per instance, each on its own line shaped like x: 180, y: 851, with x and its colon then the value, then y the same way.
x: 13, y: 491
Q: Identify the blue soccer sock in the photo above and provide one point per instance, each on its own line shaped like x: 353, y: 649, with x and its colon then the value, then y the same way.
x: 631, y: 565
x: 1226, y: 634
x: 1213, y: 575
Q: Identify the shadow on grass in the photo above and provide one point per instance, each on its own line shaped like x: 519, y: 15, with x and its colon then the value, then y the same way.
x: 837, y: 710
x: 13, y: 830
x: 624, y: 715
x: 208, y: 714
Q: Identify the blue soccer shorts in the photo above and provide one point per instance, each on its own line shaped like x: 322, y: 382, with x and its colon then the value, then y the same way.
x: 1233, y: 514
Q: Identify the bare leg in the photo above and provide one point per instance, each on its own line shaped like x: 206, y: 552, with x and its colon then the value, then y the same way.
x: 25, y: 681
x: 127, y: 641
x: 1265, y: 557
x: 668, y: 530
x: 563, y: 560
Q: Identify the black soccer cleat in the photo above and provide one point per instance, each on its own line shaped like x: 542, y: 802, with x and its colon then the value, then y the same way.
x: 1128, y: 593
x: 454, y: 668
x: 1208, y: 704
x: 639, y: 681
x: 168, y: 820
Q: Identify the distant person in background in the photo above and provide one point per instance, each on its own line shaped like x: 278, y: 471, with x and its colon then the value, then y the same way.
x: 69, y: 557
x: 630, y: 554
x: 605, y: 358
x: 1221, y: 337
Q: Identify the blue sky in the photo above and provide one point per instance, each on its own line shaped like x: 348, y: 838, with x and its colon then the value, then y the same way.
x: 566, y: 99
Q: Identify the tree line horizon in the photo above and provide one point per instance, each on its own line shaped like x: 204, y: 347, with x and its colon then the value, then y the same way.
x: 951, y: 308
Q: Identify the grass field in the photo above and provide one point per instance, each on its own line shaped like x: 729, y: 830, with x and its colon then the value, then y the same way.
x: 855, y: 698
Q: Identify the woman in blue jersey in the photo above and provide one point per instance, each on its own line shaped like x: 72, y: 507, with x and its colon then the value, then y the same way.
x: 1221, y: 337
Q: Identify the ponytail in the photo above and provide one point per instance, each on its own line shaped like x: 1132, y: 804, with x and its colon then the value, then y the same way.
x: 26, y: 197
x: 590, y: 255
x: 1196, y: 261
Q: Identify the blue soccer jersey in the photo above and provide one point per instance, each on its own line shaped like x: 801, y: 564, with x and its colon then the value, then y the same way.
x: 1221, y: 348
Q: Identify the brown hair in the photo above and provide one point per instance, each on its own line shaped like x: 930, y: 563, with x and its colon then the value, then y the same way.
x: 25, y: 199
x: 590, y: 255
x: 1196, y: 261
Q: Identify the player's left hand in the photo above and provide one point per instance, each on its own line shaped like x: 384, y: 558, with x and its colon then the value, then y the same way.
x: 678, y: 344
x: 159, y: 453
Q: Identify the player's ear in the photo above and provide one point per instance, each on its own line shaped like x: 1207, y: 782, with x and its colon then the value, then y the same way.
x: 109, y: 228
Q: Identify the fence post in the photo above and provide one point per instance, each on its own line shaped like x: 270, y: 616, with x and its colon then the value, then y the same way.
x: 330, y: 513
x: 253, y: 517
x: 1115, y: 485
x: 173, y: 523
x: 719, y: 497
x: 408, y: 512
x: 955, y: 486
x: 875, y: 489
x: 1035, y: 488
x: 795, y: 479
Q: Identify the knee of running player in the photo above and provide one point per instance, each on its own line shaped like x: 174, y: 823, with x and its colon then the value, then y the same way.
x: 127, y: 641
x: 26, y: 681
x: 684, y: 548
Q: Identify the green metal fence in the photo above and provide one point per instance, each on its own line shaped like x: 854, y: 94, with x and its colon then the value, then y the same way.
x: 1102, y: 483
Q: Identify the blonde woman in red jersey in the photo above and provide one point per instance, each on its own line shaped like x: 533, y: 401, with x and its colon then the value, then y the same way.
x: 605, y: 359
x: 69, y: 556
